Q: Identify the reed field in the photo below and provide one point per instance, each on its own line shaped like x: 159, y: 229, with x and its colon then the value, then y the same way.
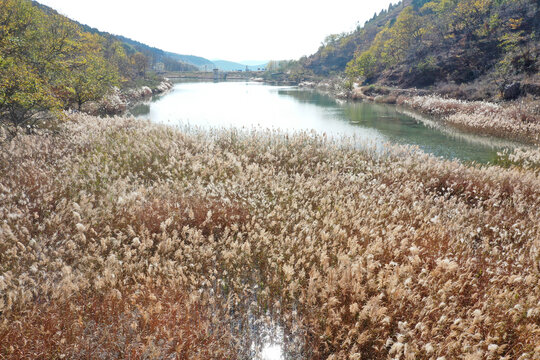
x: 519, y: 120
x: 125, y: 239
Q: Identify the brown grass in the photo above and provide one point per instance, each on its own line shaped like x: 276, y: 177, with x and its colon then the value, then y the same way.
x: 515, y: 120
x: 123, y: 239
x: 149, y: 322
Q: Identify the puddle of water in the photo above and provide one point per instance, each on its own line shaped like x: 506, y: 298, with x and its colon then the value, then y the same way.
x: 272, y: 352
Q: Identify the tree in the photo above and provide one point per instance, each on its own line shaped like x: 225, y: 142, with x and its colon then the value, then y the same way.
x: 92, y: 75
x: 47, y: 62
x: 417, y: 4
x: 469, y: 18
x: 24, y: 86
x: 403, y: 35
x: 363, y: 65
x: 22, y: 95
x: 140, y: 62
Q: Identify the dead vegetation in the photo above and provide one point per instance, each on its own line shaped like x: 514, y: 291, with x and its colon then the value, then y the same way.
x: 519, y: 121
x: 123, y: 239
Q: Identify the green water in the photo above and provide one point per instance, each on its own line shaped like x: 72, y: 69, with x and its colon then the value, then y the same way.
x: 248, y: 105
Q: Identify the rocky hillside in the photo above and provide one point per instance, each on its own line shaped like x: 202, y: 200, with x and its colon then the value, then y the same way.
x: 455, y: 46
x: 338, y: 49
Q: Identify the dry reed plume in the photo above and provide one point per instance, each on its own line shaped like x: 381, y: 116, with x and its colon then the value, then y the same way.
x: 124, y: 239
x: 516, y: 121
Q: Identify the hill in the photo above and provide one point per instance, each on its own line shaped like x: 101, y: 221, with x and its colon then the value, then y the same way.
x: 197, y: 61
x: 225, y: 65
x: 338, y: 49
x: 170, y: 61
x: 50, y: 63
x: 254, y: 62
x: 417, y: 43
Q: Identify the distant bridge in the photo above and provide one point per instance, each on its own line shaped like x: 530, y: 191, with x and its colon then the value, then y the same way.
x: 212, y: 75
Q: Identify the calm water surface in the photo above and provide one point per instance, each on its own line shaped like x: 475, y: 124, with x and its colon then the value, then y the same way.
x: 248, y: 104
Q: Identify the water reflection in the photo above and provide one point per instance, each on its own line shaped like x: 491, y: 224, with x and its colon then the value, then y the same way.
x: 272, y: 352
x: 247, y: 105
x: 140, y: 109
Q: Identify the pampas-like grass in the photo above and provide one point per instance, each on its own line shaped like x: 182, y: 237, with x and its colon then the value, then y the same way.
x: 516, y: 121
x: 124, y: 239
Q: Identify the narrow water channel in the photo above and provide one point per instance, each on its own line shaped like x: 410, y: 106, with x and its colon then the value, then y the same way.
x: 249, y: 104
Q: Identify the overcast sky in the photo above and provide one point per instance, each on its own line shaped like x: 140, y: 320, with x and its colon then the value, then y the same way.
x: 233, y: 30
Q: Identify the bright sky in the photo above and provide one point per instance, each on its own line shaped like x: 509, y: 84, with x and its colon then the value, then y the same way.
x: 234, y: 30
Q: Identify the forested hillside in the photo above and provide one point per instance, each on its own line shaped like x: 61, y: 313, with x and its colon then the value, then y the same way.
x: 197, y: 61
x: 338, y: 49
x: 154, y: 56
x: 419, y: 43
x: 49, y: 62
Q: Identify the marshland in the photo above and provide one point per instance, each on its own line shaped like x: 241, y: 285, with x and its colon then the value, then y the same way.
x: 144, y: 218
x: 123, y: 238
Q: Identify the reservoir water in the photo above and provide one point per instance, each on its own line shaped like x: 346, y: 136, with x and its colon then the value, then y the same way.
x: 249, y: 104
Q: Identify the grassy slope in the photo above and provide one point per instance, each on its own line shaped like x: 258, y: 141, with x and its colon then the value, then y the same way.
x: 119, y: 238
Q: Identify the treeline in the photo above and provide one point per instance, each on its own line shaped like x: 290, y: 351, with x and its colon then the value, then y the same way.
x: 48, y: 62
x: 293, y: 69
x: 423, y: 42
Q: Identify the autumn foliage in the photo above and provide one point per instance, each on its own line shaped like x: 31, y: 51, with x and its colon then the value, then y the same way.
x: 49, y: 63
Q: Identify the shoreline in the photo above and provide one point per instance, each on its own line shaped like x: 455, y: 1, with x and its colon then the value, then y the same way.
x: 476, y: 118
x: 118, y: 102
x: 509, y: 120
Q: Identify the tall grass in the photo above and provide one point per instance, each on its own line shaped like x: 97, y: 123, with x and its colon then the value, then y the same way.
x: 124, y: 239
x: 521, y: 158
x: 518, y: 121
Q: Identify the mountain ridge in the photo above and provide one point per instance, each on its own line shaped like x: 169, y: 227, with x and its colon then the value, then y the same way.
x: 226, y: 65
x: 190, y: 62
